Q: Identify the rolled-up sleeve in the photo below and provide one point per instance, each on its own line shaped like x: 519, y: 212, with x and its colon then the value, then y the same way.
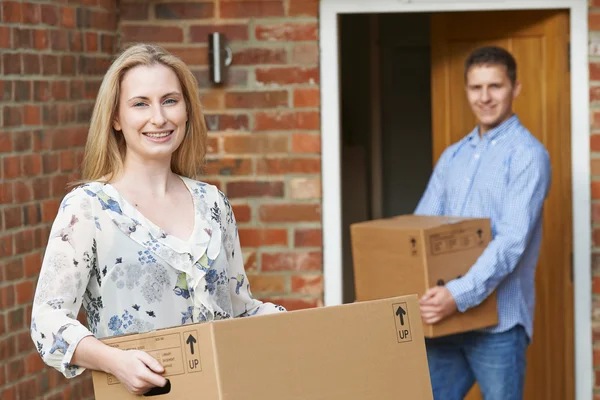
x: 64, y: 275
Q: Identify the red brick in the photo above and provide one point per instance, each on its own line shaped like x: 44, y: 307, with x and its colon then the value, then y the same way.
x: 292, y: 304
x: 134, y: 11
x: 308, y: 237
x: 191, y: 55
x: 594, y: 71
x: 22, y: 141
x: 32, y: 115
x: 270, y: 99
x: 50, y: 14
x: 49, y: 210
x: 596, y: 190
x: 187, y: 10
x: 7, y: 298
x: 22, y: 38
x: 258, y: 56
x: 246, y: 189
x: 50, y: 64
x: 307, y: 284
x: 5, y: 37
x: 12, y: 64
x: 307, y: 97
x: 274, y: 121
x: 40, y: 39
x: 167, y: 34
x: 91, y: 41
x: 32, y: 264
x: 596, y: 290
x: 6, y: 192
x: 288, y: 32
x: 267, y: 283
x: 257, y: 237
x: 242, y: 212
x: 22, y: 192
x: 49, y: 163
x: 256, y: 144
x: 24, y: 241
x: 251, y: 8
x: 594, y: 94
x: 28, y: 389
x: 290, y: 212
x: 287, y: 75
x: 25, y: 291
x: 595, y: 141
x: 212, y: 100
x: 59, y: 40
x: 14, y: 270
x: 108, y: 43
x: 212, y: 145
x: 594, y: 21
x: 306, y: 143
x: 228, y: 166
x: 15, y: 370
x: 67, y: 161
x: 31, y: 164
x: 233, y: 32
x: 11, y: 11
x: 271, y: 262
x: 595, y: 166
x: 270, y: 166
x: 91, y: 89
x: 13, y: 217
x: 31, y: 13
x: 67, y: 19
x: 304, y: 8
x: 224, y: 122
x: 15, y: 321
x: 11, y: 167
x: 6, y: 142
x: 41, y: 188
x: 307, y: 54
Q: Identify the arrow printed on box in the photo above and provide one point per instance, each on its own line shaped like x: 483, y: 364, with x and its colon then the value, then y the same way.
x: 400, y: 312
x: 191, y: 341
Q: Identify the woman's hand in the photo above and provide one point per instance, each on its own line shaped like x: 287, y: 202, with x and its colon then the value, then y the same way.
x: 137, y: 370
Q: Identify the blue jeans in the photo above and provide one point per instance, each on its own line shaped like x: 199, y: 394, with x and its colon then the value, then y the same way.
x: 495, y: 360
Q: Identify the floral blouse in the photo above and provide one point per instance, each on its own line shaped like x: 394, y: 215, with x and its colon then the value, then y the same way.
x: 133, y: 277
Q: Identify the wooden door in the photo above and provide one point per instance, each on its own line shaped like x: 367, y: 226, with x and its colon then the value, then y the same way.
x: 539, y: 42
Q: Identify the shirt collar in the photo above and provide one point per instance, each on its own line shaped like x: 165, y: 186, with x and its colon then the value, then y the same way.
x: 496, y: 133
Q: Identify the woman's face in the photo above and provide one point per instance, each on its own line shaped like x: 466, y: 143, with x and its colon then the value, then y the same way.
x: 152, y: 113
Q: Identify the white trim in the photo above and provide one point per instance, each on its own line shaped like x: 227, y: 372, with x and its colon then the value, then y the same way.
x: 580, y: 149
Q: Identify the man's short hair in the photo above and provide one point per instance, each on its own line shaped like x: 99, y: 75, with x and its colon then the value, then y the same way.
x: 493, y: 55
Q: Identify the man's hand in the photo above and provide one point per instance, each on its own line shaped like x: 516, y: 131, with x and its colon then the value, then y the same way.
x: 436, y: 304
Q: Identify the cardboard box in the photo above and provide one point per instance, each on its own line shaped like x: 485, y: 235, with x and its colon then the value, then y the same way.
x: 410, y: 253
x: 371, y: 350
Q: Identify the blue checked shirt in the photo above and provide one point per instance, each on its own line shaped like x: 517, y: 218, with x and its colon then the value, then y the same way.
x: 504, y: 176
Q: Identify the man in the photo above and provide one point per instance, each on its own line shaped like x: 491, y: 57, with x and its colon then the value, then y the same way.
x: 498, y: 171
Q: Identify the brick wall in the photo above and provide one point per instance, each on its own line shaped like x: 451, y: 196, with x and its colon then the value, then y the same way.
x: 264, y: 148
x: 52, y: 57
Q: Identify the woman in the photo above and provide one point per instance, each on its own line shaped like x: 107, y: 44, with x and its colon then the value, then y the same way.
x: 141, y: 244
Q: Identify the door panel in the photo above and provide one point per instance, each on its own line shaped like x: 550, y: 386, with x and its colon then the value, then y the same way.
x: 539, y: 42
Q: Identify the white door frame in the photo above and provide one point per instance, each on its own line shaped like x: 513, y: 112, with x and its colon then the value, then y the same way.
x: 580, y: 149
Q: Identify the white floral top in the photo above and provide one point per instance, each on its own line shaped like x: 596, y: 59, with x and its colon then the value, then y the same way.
x: 133, y: 277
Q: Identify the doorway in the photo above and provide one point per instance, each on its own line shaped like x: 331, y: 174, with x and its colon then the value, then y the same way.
x: 402, y: 103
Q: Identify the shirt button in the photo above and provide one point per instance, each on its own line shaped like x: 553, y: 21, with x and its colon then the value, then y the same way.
x: 494, y: 141
x: 476, y: 156
x: 467, y: 180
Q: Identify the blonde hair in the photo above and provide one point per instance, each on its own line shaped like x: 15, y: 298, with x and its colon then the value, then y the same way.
x: 105, y: 148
